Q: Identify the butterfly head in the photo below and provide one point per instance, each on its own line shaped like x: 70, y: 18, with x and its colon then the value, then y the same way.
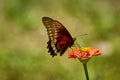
x: 74, y: 39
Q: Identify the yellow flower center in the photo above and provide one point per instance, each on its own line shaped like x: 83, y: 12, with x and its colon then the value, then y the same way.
x: 84, y: 49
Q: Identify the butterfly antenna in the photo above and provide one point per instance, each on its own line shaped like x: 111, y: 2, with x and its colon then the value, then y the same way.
x: 81, y: 35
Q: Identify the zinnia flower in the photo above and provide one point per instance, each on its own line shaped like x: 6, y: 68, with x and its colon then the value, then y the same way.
x: 84, y: 53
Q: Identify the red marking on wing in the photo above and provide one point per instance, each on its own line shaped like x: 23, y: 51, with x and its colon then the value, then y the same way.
x: 63, y: 41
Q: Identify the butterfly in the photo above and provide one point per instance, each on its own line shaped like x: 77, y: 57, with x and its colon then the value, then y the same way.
x: 59, y: 37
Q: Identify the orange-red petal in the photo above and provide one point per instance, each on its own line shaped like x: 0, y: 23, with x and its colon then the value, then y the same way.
x: 84, y: 53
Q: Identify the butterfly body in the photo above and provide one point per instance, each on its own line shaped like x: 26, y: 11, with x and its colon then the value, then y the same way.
x: 59, y: 38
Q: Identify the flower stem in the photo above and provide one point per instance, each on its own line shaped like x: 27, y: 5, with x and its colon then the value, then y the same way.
x: 86, y: 71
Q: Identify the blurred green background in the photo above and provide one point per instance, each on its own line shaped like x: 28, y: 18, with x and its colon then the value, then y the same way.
x: 23, y: 37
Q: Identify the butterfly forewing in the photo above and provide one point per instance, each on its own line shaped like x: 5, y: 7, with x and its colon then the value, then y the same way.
x: 59, y: 38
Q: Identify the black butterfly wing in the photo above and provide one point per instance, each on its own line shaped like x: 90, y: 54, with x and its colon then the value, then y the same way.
x: 59, y: 38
